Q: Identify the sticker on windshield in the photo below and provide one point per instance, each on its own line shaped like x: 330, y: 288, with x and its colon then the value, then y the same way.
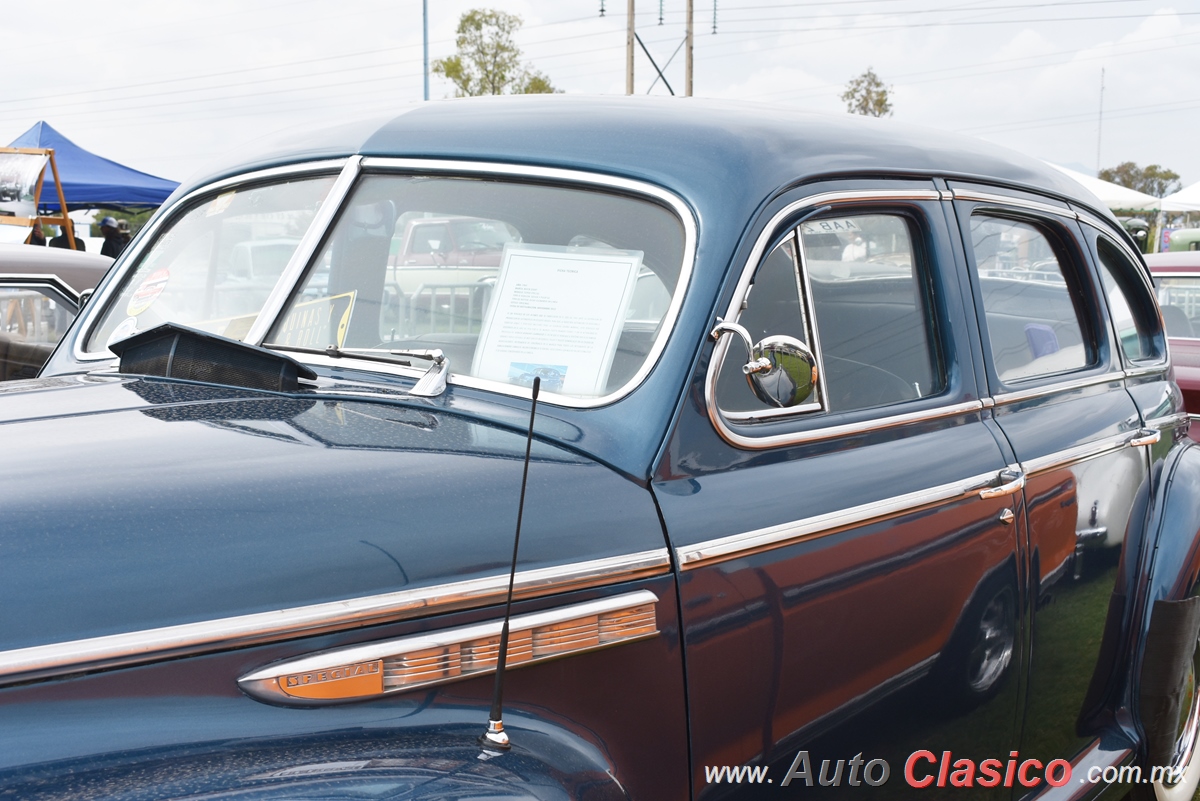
x: 126, y: 329
x: 846, y: 225
x: 148, y: 292
x: 219, y: 204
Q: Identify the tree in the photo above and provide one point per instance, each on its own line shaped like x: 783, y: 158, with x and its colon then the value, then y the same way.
x: 1153, y: 180
x: 868, y: 96
x: 488, y: 61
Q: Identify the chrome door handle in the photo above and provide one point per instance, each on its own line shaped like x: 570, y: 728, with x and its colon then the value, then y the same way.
x: 1145, y: 436
x: 1012, y: 482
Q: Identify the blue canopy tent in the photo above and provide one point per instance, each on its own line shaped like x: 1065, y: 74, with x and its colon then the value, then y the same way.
x: 90, y: 181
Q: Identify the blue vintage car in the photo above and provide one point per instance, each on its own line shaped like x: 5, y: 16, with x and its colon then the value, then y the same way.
x: 862, y: 469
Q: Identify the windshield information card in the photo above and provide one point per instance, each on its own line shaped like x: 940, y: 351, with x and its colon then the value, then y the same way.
x: 556, y: 314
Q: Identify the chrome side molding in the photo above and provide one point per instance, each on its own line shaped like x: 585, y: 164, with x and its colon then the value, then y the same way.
x: 207, y: 636
x: 424, y: 660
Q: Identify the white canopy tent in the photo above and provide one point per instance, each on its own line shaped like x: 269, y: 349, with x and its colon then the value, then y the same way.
x: 1116, y: 196
x: 1186, y: 199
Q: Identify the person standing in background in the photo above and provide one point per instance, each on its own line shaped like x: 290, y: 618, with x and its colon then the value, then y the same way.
x: 60, y: 241
x: 113, y: 243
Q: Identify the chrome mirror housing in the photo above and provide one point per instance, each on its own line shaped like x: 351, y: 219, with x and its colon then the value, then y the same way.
x: 782, y: 370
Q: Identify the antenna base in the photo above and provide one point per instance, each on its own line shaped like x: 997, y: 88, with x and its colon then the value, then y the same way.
x: 495, y: 736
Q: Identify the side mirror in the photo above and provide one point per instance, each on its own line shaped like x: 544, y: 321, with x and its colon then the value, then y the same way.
x: 782, y: 371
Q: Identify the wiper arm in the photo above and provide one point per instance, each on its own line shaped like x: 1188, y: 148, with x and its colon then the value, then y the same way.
x: 430, y: 385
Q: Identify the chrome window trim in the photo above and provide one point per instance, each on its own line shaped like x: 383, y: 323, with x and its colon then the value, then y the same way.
x: 1005, y: 398
x: 1147, y: 284
x: 304, y: 251
x: 45, y: 281
x: 561, y: 177
x: 150, y: 645
x: 991, y: 201
x: 719, y: 418
x: 846, y: 429
x: 99, y: 302
x: 690, y: 557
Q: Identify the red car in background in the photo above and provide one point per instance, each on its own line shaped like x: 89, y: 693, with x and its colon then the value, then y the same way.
x: 1177, y: 280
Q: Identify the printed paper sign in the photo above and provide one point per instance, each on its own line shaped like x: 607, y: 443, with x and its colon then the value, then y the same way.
x: 556, y: 314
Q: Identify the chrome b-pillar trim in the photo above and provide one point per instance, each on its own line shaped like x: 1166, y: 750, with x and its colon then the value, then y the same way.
x: 151, y: 645
x: 304, y: 252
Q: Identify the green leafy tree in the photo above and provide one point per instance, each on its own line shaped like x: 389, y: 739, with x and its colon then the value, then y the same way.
x: 867, y: 95
x: 488, y: 61
x: 1152, y: 180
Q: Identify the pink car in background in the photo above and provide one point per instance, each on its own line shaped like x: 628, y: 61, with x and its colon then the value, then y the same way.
x: 1177, y: 279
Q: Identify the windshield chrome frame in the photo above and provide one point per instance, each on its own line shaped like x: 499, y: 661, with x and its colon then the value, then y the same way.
x: 98, y: 304
x: 549, y: 175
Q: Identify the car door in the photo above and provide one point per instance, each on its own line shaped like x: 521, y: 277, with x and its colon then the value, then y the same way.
x: 1057, y: 390
x: 848, y: 565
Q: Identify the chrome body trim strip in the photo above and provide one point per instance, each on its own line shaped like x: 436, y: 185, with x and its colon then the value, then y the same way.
x: 304, y: 251
x: 1094, y: 758
x: 140, y: 647
x: 148, y: 234
x: 1138, y: 372
x: 1079, y: 453
x: 1172, y: 420
x: 265, y: 683
x: 733, y: 312
x: 1013, y: 202
x: 1004, y: 398
x: 721, y: 549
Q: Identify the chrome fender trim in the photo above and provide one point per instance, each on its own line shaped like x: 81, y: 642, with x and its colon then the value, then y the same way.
x: 151, y: 645
x: 423, y: 660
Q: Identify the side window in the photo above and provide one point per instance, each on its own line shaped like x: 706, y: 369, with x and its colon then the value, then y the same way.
x: 1131, y: 306
x: 857, y: 294
x: 1033, y: 325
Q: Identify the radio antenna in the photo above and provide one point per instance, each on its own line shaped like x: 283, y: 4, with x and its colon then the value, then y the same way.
x: 495, y: 736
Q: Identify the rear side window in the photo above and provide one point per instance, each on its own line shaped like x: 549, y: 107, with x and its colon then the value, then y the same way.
x: 1033, y: 323
x: 1132, y: 308
x: 855, y: 290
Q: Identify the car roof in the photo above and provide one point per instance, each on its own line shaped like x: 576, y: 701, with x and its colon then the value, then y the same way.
x: 1185, y: 261
x: 79, y: 270
x: 698, y: 148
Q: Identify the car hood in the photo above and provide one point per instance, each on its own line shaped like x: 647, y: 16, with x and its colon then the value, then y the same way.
x: 132, y: 504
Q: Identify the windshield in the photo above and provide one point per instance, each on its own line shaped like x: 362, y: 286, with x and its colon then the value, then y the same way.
x: 213, y: 267
x: 511, y: 281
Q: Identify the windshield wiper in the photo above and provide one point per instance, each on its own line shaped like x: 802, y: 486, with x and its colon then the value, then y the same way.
x: 430, y: 385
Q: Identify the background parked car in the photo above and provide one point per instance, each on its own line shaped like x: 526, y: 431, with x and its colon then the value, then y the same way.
x: 1177, y: 281
x: 40, y: 290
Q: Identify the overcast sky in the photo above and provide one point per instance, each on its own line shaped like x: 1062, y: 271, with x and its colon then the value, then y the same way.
x: 168, y: 87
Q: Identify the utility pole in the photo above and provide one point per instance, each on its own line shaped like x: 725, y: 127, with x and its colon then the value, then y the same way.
x: 425, y: 17
x: 629, y: 38
x: 1100, y: 122
x: 687, y: 57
